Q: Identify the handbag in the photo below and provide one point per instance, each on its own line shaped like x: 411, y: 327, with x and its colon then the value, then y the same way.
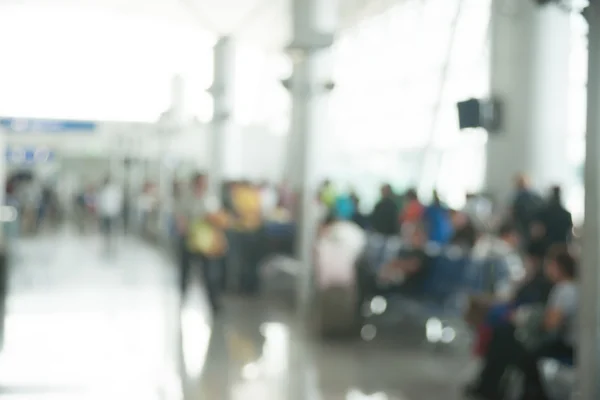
x: 206, y: 239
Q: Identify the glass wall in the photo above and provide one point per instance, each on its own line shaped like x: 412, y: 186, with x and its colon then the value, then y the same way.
x: 399, y: 76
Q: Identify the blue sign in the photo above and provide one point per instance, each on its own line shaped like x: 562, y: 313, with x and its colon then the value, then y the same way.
x: 27, y: 155
x: 28, y: 125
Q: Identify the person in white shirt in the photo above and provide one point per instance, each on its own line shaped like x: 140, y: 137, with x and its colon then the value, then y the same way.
x: 268, y: 199
x: 110, y: 207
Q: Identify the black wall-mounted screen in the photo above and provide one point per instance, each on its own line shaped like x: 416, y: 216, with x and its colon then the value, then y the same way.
x: 469, y: 114
x: 475, y: 113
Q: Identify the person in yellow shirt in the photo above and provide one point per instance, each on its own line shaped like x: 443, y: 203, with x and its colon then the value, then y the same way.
x: 327, y: 194
x: 201, y: 242
x: 247, y: 205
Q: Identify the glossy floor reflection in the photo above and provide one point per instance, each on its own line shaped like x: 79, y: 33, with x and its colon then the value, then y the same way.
x: 260, y: 352
x: 85, y: 326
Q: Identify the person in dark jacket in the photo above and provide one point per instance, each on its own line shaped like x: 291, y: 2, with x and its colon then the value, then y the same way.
x: 553, y: 224
x: 536, y: 286
x: 358, y: 217
x: 384, y: 218
x: 465, y: 235
x: 525, y: 206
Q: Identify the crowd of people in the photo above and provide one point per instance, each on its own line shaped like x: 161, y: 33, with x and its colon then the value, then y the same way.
x: 533, y: 236
x: 530, y: 315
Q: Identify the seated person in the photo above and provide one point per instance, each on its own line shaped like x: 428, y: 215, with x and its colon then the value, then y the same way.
x: 536, y: 286
x: 465, y: 234
x: 503, y: 250
x: 485, y: 312
x: 437, y: 218
x: 410, y: 268
x: 558, y: 324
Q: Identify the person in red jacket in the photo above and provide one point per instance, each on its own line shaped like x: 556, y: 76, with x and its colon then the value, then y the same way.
x: 413, y: 209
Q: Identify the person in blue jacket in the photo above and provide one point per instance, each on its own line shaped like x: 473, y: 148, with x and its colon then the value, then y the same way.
x: 344, y: 207
x: 437, y: 219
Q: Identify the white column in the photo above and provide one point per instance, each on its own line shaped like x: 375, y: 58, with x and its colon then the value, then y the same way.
x: 589, y: 342
x: 530, y: 74
x: 177, y: 107
x: 221, y: 140
x: 313, y: 27
x: 3, y: 182
x: 173, y: 126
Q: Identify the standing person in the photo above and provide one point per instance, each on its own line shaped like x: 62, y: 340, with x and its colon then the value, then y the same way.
x: 412, y: 213
x: 438, y: 222
x: 202, y: 244
x: 110, y: 208
x: 328, y: 194
x: 554, y: 224
x: 247, y: 203
x: 358, y: 217
x: 413, y: 209
x: 268, y: 199
x: 384, y: 218
x: 525, y: 206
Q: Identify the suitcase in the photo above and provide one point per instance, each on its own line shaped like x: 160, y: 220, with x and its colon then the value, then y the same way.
x: 337, y: 312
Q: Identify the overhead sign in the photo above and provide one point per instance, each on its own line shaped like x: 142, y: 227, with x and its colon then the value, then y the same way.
x: 27, y: 155
x: 29, y: 125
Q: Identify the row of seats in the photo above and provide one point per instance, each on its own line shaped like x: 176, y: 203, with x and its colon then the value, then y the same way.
x: 453, y: 276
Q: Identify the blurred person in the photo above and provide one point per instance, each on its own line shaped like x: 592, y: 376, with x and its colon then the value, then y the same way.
x: 412, y: 213
x: 327, y: 194
x: 553, y: 224
x: 226, y: 196
x: 410, y: 269
x: 202, y: 244
x: 268, y: 199
x: 437, y: 219
x: 556, y: 336
x: 286, y: 197
x: 499, y: 254
x: 247, y: 205
x: 358, y: 217
x: 90, y: 206
x: 465, y: 233
x: 343, y: 207
x: 479, y: 210
x: 413, y: 209
x: 487, y: 311
x: 147, y: 201
x: 30, y: 198
x: 384, y: 218
x: 110, y: 208
x: 336, y: 251
x: 45, y: 206
x: 525, y: 206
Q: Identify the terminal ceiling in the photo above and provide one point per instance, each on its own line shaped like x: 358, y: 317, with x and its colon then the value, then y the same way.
x: 264, y: 23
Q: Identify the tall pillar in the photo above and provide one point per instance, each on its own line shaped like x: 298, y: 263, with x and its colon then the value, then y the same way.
x: 313, y: 27
x: 530, y: 75
x: 171, y: 126
x: 589, y: 317
x: 223, y: 155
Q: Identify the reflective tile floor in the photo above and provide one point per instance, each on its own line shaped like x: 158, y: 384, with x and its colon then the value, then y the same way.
x: 86, y: 326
